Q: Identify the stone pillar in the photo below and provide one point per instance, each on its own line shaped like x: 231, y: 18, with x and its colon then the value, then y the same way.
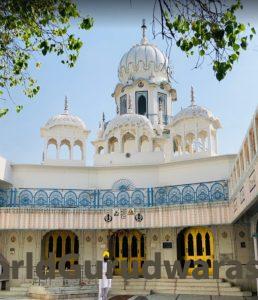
x: 255, y: 134
x: 106, y: 147
x: 255, y: 256
x: 209, y: 141
x: 45, y: 149
x: 172, y: 152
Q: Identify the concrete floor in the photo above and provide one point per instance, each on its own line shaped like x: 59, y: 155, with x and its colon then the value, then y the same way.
x: 190, y: 297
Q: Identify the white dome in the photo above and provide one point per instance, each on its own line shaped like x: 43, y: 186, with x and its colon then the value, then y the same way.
x: 129, y: 120
x: 143, y: 61
x: 195, y: 111
x: 65, y: 119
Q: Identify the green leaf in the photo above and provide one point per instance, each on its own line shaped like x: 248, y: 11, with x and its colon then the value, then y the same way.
x: 87, y: 23
x: 19, y: 108
x: 3, y: 112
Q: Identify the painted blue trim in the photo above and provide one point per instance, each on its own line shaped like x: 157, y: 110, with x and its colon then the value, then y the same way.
x: 194, y: 193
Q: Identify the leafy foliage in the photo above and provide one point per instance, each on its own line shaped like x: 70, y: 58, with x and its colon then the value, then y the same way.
x: 208, y: 28
x: 28, y: 28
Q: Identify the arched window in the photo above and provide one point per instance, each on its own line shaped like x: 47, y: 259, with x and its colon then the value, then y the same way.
x: 76, y: 245
x: 202, y: 141
x: 68, y: 245
x: 134, y: 247
x: 199, y: 243
x: 128, y: 141
x: 112, y: 145
x: 141, y: 103
x: 125, y: 246
x: 100, y: 150
x: 77, y: 150
x: 162, y: 104
x: 123, y: 105
x: 190, y: 245
x: 65, y: 150
x: 52, y: 149
x: 189, y: 143
x: 207, y: 244
x: 144, y: 144
x: 50, y: 244
x: 59, y: 247
x: 177, y: 144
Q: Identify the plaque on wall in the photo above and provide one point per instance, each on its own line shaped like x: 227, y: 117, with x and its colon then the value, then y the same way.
x: 167, y: 245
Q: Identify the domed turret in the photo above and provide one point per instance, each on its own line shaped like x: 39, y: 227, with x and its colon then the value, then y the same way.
x: 65, y: 134
x: 143, y: 61
x: 193, y: 131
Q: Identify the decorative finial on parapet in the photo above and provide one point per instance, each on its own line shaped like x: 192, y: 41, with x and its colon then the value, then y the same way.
x: 144, y: 27
x: 192, y: 97
x: 66, y: 105
x: 103, y: 117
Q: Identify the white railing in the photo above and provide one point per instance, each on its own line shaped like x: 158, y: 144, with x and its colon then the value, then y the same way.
x: 243, y: 179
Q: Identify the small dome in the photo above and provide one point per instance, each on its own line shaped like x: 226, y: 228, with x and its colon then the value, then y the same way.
x: 129, y: 120
x: 143, y: 61
x: 195, y: 111
x: 65, y: 119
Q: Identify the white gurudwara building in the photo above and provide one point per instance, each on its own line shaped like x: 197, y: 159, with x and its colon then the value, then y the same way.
x: 158, y: 184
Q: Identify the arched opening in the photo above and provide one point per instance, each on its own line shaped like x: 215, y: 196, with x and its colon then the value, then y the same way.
x: 156, y: 147
x: 78, y: 150
x: 134, y: 247
x: 141, y: 103
x: 60, y: 243
x: 128, y: 143
x: 177, y: 145
x: 202, y: 141
x: 144, y: 144
x: 129, y: 246
x: 195, y: 243
x: 189, y: 143
x: 52, y: 149
x: 199, y: 243
x: 68, y: 245
x: 59, y: 246
x: 112, y: 145
x: 123, y: 105
x: 65, y: 150
x: 100, y: 150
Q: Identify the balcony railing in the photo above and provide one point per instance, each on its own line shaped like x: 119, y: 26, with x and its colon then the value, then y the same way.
x: 206, y: 192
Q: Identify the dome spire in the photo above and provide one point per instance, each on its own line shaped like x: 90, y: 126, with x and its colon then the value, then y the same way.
x: 66, y: 106
x: 144, y: 27
x: 192, y: 96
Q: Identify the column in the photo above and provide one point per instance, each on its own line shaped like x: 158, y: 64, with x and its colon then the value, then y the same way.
x: 120, y: 144
x: 249, y: 147
x: 45, y: 149
x: 209, y: 140
x: 255, y: 134
x: 172, y: 152
x: 106, y: 147
x: 255, y: 256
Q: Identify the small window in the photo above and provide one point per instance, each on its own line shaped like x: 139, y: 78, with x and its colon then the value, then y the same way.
x: 123, y: 105
x: 162, y: 103
x: 141, y: 101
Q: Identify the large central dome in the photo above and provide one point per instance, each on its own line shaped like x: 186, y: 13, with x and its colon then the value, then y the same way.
x: 143, y: 61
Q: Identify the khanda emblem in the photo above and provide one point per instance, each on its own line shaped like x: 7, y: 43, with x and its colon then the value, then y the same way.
x: 138, y: 217
x: 108, y: 218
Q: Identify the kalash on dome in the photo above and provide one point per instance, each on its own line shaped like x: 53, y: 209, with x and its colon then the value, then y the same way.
x: 158, y: 184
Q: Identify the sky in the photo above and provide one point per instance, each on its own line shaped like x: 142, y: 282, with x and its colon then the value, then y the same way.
x: 90, y: 83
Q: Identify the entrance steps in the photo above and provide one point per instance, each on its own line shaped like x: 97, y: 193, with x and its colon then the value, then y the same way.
x: 60, y: 288
x: 188, y: 286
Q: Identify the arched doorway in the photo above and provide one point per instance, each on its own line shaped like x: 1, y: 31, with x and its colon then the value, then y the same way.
x: 61, y: 243
x: 129, y: 246
x: 196, y: 243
